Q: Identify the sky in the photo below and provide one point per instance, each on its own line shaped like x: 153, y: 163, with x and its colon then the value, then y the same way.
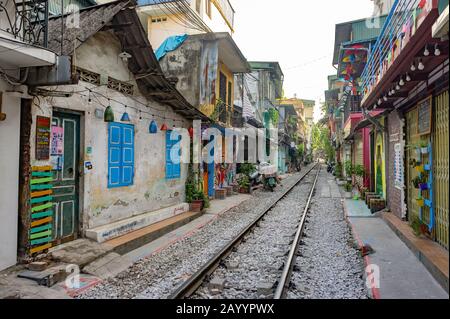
x: 299, y: 34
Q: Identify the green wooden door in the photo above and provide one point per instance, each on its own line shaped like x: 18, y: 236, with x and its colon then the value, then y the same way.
x: 66, y: 179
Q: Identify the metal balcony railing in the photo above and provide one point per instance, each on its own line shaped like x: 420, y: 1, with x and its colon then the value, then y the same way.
x: 399, y: 22
x: 26, y: 20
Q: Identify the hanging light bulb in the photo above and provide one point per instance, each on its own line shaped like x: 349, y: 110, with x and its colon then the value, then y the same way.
x: 89, y: 98
x: 390, y: 93
x: 397, y: 87
x: 426, y: 52
x: 125, y: 116
x: 437, y: 52
x: 413, y: 67
x: 380, y: 101
x: 108, y: 116
x: 421, y: 66
x: 153, y: 128
x: 385, y: 98
x: 401, y: 82
x: 408, y: 78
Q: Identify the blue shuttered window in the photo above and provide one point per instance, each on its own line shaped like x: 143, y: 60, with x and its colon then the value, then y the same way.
x: 173, y: 165
x: 120, y: 155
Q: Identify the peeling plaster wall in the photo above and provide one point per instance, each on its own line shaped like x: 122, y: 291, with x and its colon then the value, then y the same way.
x: 9, y: 173
x: 151, y: 191
x: 184, y: 64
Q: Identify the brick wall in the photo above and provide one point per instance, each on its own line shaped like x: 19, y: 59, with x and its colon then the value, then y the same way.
x: 395, y: 195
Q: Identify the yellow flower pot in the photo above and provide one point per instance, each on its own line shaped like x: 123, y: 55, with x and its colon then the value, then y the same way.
x: 420, y: 202
x: 420, y: 169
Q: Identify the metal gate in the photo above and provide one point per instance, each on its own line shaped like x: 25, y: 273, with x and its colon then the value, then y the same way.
x: 412, y: 139
x: 441, y: 171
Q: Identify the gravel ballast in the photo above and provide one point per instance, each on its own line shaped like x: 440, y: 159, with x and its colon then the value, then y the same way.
x: 159, y: 275
x: 329, y: 266
x: 252, y: 271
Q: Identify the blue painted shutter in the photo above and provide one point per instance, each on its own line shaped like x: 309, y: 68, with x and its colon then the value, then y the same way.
x: 173, y: 170
x: 120, y: 155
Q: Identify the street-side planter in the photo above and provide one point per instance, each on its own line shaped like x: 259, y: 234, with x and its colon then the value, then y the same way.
x: 420, y: 202
x: 420, y: 168
x: 244, y: 190
x: 196, y: 206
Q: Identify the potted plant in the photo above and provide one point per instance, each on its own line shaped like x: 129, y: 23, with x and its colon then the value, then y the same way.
x: 348, y: 170
x: 424, y: 147
x: 418, y: 181
x: 348, y: 190
x: 420, y: 202
x: 244, y: 184
x: 420, y: 168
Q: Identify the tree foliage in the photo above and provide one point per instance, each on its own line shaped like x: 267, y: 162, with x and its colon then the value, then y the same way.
x: 321, y: 143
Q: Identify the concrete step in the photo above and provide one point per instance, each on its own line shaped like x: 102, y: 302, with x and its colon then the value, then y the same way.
x: 138, y: 238
x: 434, y: 257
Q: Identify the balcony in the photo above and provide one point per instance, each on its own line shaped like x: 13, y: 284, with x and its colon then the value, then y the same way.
x: 25, y: 20
x: 24, y: 34
x: 404, y: 53
x: 226, y: 10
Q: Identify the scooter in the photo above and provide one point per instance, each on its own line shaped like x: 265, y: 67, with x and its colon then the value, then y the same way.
x: 330, y: 167
x: 269, y: 176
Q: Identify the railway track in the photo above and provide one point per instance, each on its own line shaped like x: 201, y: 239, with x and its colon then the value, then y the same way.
x: 190, y: 286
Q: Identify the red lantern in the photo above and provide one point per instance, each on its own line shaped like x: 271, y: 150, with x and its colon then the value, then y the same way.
x: 191, y: 132
x: 163, y: 127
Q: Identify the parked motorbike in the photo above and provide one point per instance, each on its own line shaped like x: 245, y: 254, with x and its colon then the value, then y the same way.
x: 269, y: 176
x: 330, y: 167
x: 265, y: 174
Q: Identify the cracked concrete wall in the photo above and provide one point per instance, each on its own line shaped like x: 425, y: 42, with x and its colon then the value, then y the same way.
x: 150, y: 191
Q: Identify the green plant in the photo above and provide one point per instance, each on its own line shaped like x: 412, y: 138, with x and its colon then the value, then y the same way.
x: 416, y: 181
x: 348, y: 187
x: 301, y: 150
x: 244, y: 181
x: 416, y: 225
x: 348, y: 168
x: 247, y: 168
x: 359, y: 170
x: 338, y: 170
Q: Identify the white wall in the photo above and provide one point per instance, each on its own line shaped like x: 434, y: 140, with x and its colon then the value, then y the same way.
x: 9, y: 178
x: 150, y: 191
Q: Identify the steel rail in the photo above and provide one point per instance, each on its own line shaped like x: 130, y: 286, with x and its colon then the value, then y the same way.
x: 190, y: 286
x: 283, y: 284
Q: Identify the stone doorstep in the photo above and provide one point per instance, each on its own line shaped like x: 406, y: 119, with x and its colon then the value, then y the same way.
x: 116, y: 229
x: 431, y: 254
x: 138, y: 238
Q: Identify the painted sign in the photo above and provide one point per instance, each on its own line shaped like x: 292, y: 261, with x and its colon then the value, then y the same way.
x: 208, y: 69
x: 424, y: 116
x: 42, y: 138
